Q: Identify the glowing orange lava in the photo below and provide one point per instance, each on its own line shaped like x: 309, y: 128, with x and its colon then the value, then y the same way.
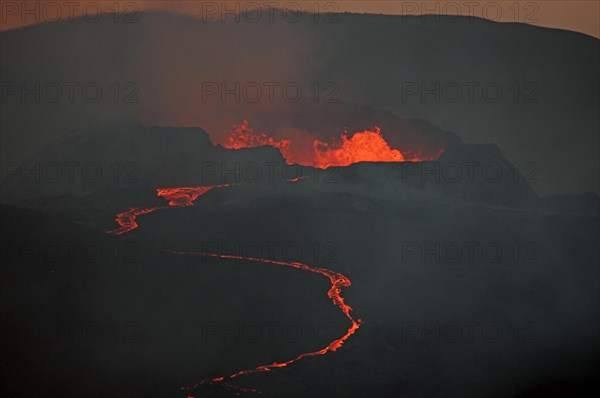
x: 177, y: 197
x: 127, y: 219
x: 183, y: 197
x: 366, y: 146
x: 243, y: 136
x: 361, y: 146
x: 337, y: 280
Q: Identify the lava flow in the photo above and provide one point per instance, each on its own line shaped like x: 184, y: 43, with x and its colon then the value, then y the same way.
x: 338, y: 281
x: 361, y: 146
x: 177, y: 197
x: 127, y: 220
x: 184, y: 197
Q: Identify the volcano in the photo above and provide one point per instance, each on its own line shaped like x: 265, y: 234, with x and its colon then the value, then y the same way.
x: 371, y: 236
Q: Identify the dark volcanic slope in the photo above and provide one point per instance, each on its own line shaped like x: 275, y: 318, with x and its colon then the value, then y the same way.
x: 373, y: 215
x: 88, y: 315
x: 169, y: 57
x: 456, y: 321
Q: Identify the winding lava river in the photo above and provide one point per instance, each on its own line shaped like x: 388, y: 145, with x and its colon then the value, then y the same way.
x: 185, y: 197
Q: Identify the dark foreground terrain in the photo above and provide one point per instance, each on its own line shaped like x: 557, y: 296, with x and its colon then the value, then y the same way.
x: 466, y: 288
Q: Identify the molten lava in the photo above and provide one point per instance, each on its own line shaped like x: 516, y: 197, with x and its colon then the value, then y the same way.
x: 184, y: 197
x: 177, y: 197
x: 366, y: 146
x: 337, y: 280
x: 243, y: 136
x: 361, y: 146
x: 127, y: 219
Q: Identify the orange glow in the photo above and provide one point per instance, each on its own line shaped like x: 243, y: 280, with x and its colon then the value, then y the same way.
x: 337, y: 280
x: 243, y: 136
x: 184, y: 197
x: 361, y: 146
x: 127, y: 219
x: 177, y: 197
x: 366, y: 146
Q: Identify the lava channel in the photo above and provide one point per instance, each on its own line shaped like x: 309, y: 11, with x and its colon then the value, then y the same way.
x: 337, y: 280
x: 177, y: 197
x: 185, y: 197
